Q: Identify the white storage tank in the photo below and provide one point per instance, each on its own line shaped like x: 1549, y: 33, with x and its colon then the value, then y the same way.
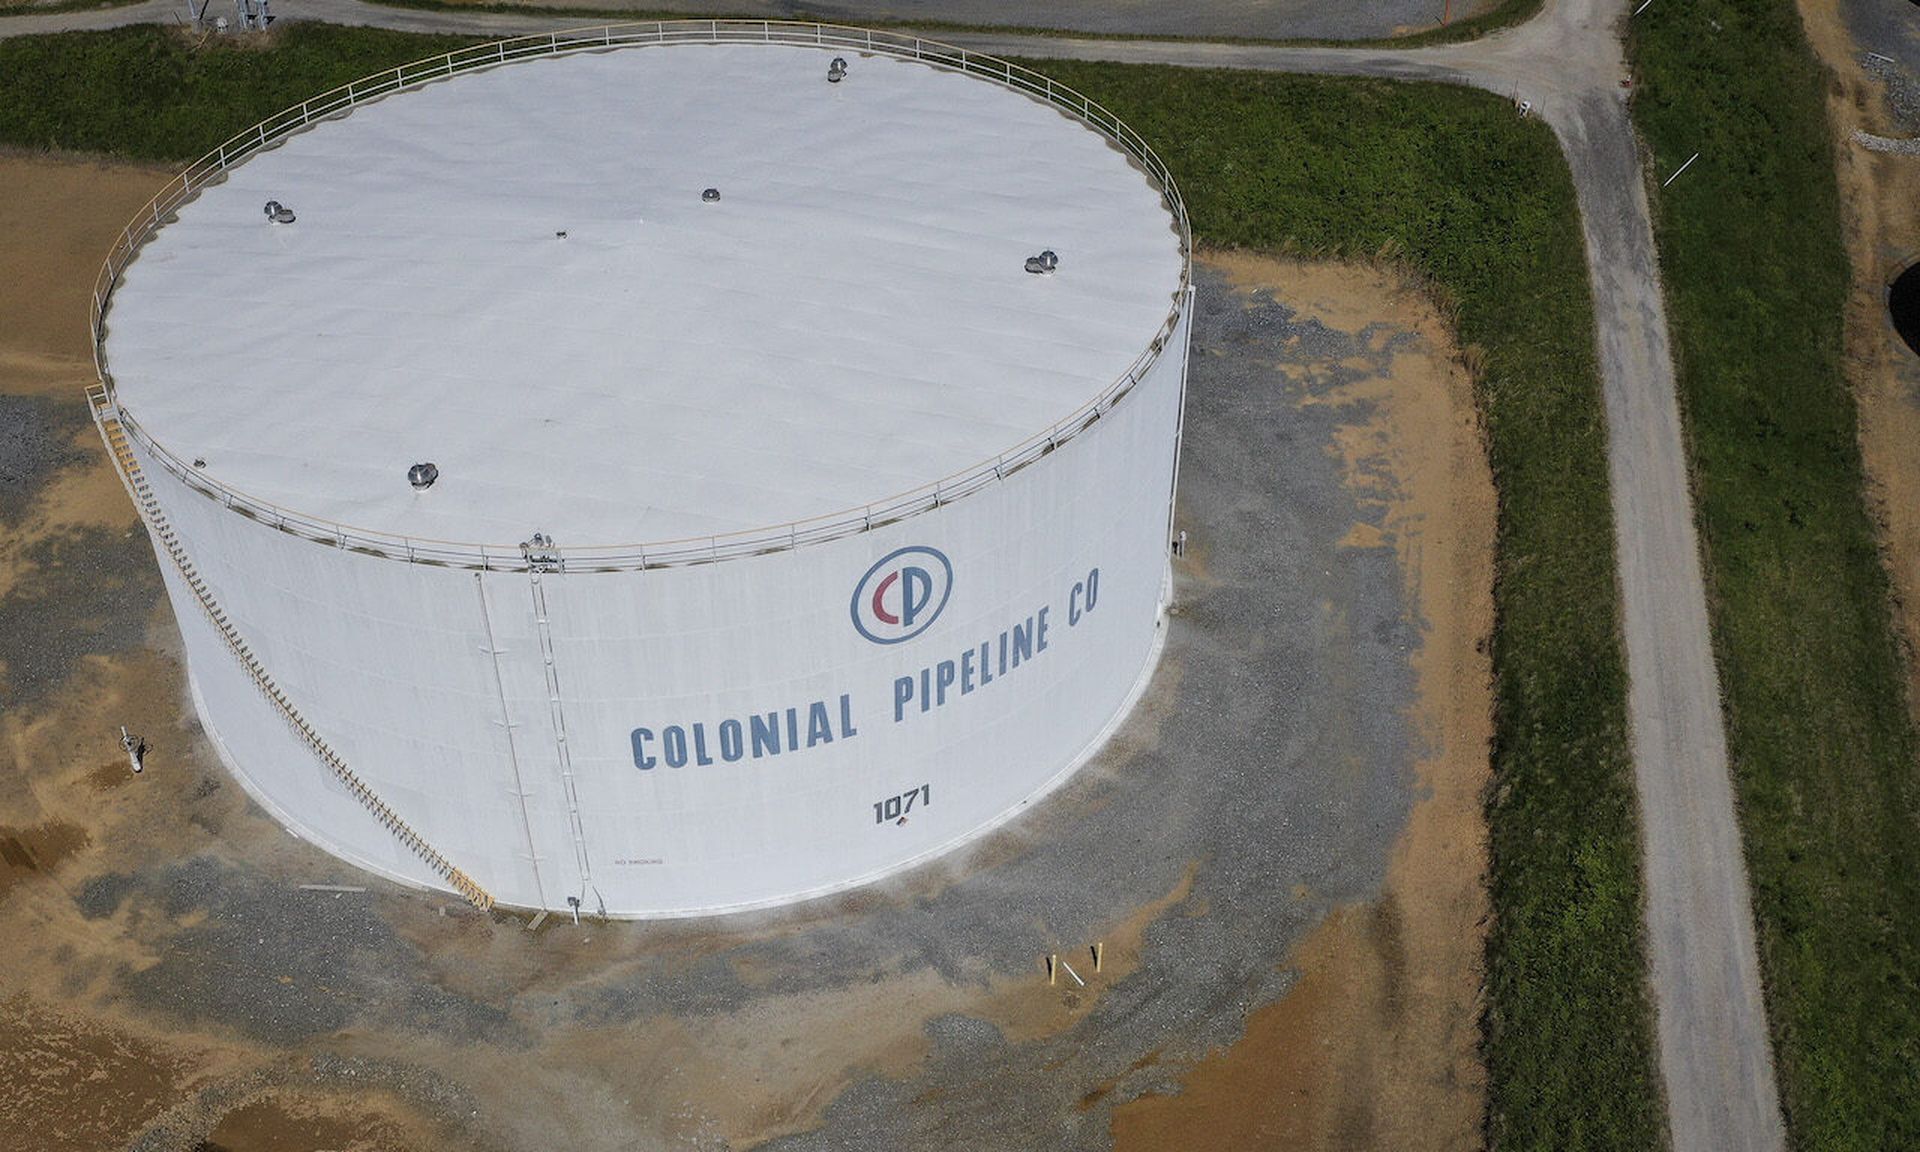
x: 659, y: 467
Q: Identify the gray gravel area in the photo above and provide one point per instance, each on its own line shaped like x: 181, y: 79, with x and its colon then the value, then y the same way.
x: 1888, y: 33
x: 36, y: 441
x: 1271, y: 764
x: 83, y: 591
x: 284, y: 967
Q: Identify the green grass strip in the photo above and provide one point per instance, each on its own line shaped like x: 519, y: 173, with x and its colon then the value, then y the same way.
x: 145, y: 93
x: 1444, y: 180
x: 1501, y: 14
x: 1822, y: 745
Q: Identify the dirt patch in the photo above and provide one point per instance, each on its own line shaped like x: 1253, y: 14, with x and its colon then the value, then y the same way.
x: 367, y: 1123
x: 71, y: 1085
x: 1375, y: 1047
x: 62, y: 216
x: 26, y: 851
x: 1878, y: 192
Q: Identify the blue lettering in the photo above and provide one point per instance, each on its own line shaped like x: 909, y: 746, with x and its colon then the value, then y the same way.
x: 846, y: 717
x: 766, y: 734
x: 700, y: 745
x: 966, y: 672
x: 916, y: 588
x: 819, y: 727
x: 942, y: 680
x: 1093, y: 588
x: 732, y: 746
x: 793, y: 729
x: 1022, y: 642
x: 1073, y: 604
x: 1040, y: 643
x: 986, y: 669
x: 902, y: 692
x: 674, y: 740
x: 641, y: 760
x: 926, y: 689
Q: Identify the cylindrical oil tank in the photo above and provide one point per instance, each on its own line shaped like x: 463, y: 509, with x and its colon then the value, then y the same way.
x: 635, y: 471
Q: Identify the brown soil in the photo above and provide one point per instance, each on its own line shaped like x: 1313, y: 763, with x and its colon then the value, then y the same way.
x: 24, y: 851
x: 1878, y: 194
x: 366, y: 1122
x: 67, y: 1084
x: 1375, y: 1046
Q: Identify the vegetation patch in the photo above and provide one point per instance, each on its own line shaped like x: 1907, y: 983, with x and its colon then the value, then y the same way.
x: 1497, y: 15
x: 1820, y: 736
x: 1444, y: 180
x: 146, y: 93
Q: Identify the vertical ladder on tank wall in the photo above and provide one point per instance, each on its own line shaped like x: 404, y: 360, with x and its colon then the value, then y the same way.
x: 541, y: 625
x: 158, y: 526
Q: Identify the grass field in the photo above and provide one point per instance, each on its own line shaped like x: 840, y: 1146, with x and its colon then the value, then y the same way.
x: 1756, y: 275
x: 1446, y: 181
x: 144, y: 94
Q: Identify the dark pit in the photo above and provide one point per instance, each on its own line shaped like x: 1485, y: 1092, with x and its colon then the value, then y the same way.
x: 1903, y: 304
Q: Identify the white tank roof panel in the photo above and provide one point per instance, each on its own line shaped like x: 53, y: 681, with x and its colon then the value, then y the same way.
x: 851, y: 320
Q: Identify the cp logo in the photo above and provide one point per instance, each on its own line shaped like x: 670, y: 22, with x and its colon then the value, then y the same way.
x: 902, y: 595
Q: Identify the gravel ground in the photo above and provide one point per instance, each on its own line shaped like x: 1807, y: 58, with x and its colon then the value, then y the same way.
x: 36, y: 441
x: 1889, y: 33
x: 92, y: 595
x: 1269, y: 768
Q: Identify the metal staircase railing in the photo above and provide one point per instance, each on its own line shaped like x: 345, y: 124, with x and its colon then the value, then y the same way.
x: 105, y: 416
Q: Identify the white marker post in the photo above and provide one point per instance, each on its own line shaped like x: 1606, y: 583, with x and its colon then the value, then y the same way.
x: 1682, y: 168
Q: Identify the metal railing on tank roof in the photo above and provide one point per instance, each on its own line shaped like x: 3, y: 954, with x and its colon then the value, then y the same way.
x: 694, y: 550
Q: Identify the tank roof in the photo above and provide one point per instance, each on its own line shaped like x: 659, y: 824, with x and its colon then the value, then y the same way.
x: 515, y: 276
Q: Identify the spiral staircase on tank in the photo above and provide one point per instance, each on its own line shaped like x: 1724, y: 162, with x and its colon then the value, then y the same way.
x: 106, y: 417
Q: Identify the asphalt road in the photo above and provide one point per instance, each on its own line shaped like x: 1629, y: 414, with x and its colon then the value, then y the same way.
x: 1568, y: 64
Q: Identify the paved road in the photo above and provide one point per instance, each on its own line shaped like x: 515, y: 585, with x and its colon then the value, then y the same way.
x: 1714, y: 1051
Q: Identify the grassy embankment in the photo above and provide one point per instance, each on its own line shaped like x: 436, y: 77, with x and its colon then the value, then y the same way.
x: 1822, y: 744
x: 145, y: 94
x: 1500, y: 14
x: 1443, y: 180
